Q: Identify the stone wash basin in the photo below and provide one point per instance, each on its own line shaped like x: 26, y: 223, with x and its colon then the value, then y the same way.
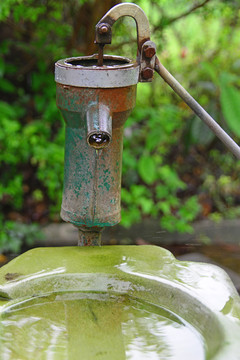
x: 116, y: 302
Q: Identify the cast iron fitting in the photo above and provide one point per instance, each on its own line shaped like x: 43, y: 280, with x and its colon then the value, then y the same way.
x: 89, y: 236
x: 146, y: 53
x: 99, y: 126
x: 116, y: 72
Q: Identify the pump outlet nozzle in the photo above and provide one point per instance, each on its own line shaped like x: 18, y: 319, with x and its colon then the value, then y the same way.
x: 99, y: 126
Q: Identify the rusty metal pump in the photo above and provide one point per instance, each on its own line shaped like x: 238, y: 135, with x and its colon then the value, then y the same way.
x: 95, y: 103
x: 96, y: 94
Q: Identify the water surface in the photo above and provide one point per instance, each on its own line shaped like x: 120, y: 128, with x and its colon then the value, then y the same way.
x: 96, y: 326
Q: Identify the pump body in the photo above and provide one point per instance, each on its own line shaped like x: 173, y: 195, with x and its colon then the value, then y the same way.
x: 94, y: 112
x: 92, y: 177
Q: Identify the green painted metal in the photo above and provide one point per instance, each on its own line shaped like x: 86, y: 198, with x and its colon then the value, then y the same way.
x: 120, y: 302
x: 92, y: 178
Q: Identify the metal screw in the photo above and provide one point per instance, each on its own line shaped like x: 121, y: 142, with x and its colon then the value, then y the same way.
x: 103, y: 29
x: 147, y: 73
x: 149, y: 51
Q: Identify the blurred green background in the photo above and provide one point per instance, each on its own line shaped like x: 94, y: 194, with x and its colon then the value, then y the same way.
x: 174, y: 169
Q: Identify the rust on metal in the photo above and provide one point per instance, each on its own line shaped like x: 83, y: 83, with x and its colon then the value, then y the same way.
x: 147, y: 73
x: 117, y: 71
x: 146, y: 49
x: 96, y: 94
x: 100, y: 54
x: 147, y: 61
x: 95, y: 100
x: 92, y: 178
x: 103, y: 28
x: 89, y: 236
x: 149, y: 51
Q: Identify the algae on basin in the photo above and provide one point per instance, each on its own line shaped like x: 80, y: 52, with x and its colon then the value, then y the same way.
x: 121, y: 302
x: 96, y: 326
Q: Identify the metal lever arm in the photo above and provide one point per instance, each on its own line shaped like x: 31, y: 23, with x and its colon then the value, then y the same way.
x: 148, y: 61
x: 199, y: 111
x: 103, y: 27
x: 146, y: 49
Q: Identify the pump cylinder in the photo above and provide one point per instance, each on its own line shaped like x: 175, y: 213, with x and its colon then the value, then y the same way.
x: 92, y: 174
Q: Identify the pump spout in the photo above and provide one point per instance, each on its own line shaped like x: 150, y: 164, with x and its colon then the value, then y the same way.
x: 99, y: 125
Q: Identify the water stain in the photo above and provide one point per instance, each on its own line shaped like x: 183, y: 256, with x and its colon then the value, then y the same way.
x: 12, y: 276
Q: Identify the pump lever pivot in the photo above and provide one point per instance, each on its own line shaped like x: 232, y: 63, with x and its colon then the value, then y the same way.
x: 148, y: 62
x: 103, y: 33
x: 146, y: 48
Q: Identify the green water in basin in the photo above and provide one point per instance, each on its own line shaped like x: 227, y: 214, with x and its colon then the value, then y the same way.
x: 119, y: 302
x: 96, y: 326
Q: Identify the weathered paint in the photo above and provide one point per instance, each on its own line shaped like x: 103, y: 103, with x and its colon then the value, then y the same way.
x: 92, y: 178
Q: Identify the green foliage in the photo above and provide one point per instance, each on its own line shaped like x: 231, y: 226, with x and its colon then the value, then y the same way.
x: 32, y: 132
x: 14, y: 235
x: 147, y: 169
x: 223, y: 191
x: 230, y: 102
x: 151, y: 184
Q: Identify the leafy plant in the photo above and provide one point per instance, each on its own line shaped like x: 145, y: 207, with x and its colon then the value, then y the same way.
x: 155, y: 184
x: 230, y: 100
x: 14, y: 235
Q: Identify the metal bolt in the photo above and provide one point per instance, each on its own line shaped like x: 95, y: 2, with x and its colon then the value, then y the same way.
x: 149, y: 51
x: 147, y: 73
x: 103, y: 29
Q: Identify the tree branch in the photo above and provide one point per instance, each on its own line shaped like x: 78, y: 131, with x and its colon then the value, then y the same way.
x: 184, y: 14
x: 192, y: 9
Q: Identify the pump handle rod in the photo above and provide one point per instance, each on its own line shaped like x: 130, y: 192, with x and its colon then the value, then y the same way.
x: 199, y: 111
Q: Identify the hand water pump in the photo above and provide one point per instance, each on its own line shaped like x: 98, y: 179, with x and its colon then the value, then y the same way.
x: 96, y: 95
x: 112, y: 302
